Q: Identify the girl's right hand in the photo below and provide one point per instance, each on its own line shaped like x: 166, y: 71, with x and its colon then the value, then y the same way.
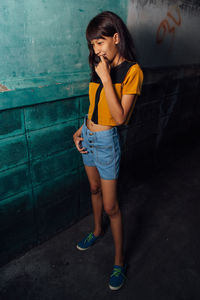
x: 78, y: 142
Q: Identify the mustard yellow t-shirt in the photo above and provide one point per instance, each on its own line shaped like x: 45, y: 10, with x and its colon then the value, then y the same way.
x: 127, y: 78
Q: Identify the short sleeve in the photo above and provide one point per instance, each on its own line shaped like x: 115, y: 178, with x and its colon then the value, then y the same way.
x: 133, y: 80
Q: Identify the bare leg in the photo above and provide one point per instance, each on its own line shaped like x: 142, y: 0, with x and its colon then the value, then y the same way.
x: 96, y: 197
x: 111, y: 206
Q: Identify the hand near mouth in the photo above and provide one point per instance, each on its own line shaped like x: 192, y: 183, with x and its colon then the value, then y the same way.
x: 103, y: 69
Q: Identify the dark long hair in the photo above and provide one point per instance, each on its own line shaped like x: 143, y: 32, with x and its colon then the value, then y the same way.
x: 108, y: 23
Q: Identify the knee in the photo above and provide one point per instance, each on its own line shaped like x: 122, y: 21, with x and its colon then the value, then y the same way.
x: 95, y: 189
x: 112, y: 211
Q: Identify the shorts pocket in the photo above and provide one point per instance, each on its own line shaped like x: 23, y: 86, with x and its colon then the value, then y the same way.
x: 104, y: 154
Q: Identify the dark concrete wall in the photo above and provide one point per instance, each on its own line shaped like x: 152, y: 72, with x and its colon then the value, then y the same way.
x: 166, y: 115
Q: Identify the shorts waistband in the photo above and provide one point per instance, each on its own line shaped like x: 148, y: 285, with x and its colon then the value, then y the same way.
x: 107, y: 132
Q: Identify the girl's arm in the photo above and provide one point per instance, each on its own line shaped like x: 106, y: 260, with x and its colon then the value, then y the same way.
x: 119, y: 111
x: 77, y: 140
x: 77, y: 133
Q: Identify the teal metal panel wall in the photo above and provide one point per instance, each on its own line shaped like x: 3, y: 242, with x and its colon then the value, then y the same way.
x: 43, y: 187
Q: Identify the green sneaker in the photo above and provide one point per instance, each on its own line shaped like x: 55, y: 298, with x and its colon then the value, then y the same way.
x: 87, y: 242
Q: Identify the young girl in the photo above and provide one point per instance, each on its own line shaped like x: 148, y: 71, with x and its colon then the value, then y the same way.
x: 115, y: 83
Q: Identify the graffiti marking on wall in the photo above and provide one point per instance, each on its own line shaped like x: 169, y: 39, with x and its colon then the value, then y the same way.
x: 165, y: 32
x: 165, y: 26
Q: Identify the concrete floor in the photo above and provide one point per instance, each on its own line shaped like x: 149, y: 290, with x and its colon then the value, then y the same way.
x: 161, y: 225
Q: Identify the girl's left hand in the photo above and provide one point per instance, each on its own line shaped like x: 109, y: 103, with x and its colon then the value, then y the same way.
x: 103, y: 69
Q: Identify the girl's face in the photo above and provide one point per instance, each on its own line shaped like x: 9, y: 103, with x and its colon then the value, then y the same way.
x: 107, y: 47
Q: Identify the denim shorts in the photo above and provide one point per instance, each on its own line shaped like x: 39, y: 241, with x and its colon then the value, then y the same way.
x: 103, y: 151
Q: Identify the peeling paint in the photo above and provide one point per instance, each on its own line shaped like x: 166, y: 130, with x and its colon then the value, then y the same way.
x: 3, y: 88
x: 42, y: 86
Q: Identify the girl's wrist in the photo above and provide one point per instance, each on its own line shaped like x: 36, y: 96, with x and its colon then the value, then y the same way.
x: 107, y: 80
x: 75, y: 136
x: 77, y: 133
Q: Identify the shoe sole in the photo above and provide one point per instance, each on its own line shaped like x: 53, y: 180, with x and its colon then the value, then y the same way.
x: 115, y: 288
x: 82, y: 249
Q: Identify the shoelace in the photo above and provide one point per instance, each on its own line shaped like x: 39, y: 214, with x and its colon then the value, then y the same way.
x: 89, y: 238
x: 116, y: 272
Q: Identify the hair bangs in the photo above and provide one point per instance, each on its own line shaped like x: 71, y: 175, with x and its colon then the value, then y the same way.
x: 93, y: 33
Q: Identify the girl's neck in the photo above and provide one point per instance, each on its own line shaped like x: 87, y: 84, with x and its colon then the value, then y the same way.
x: 117, y: 60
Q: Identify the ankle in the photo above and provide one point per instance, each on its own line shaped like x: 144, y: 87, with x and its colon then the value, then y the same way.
x: 97, y: 232
x: 119, y: 261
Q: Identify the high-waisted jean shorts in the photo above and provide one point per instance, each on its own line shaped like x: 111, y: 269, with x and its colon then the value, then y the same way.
x: 103, y: 151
